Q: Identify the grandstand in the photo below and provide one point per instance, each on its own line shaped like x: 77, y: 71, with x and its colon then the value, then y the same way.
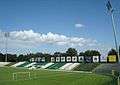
x: 24, y: 64
x: 44, y: 65
x: 47, y: 65
x: 56, y: 65
x: 4, y: 64
x: 10, y: 64
x: 17, y: 64
x: 65, y: 66
x: 39, y: 65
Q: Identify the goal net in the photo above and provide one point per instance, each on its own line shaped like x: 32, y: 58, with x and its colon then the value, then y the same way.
x: 21, y: 75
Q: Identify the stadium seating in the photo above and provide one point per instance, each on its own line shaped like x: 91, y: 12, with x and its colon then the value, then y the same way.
x: 24, y: 64
x: 3, y: 63
x: 71, y: 67
x: 10, y: 64
x: 17, y: 64
x: 30, y: 64
x: 36, y: 65
x: 47, y: 65
x: 65, y: 66
x: 39, y: 65
x: 56, y: 66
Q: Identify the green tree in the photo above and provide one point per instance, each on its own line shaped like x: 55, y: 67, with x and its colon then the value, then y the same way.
x: 47, y: 57
x: 91, y: 53
x: 11, y: 57
x: 2, y: 57
x: 22, y: 57
x: 112, y: 52
x: 81, y: 54
x: 56, y: 54
x: 71, y: 52
x: 63, y: 54
x: 38, y: 55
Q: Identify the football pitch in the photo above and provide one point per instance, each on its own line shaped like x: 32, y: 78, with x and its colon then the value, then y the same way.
x: 48, y: 77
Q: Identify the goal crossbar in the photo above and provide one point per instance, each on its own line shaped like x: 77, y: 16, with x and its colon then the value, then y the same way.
x: 15, y: 75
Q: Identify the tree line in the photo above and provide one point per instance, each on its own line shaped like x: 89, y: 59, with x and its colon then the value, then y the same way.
x: 69, y: 52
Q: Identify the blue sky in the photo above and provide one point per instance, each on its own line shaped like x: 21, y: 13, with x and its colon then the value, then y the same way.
x: 60, y: 17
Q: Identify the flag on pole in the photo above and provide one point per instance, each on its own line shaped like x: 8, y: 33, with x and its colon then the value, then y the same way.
x: 109, y: 6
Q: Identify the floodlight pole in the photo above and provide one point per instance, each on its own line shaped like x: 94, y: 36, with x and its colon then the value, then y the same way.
x: 6, y: 44
x: 6, y: 49
x: 114, y: 32
x: 111, y: 10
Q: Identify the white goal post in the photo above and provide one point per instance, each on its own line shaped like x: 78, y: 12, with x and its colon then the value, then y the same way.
x: 21, y: 75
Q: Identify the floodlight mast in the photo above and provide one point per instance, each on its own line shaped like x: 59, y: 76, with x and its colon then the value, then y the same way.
x: 6, y: 34
x: 111, y: 10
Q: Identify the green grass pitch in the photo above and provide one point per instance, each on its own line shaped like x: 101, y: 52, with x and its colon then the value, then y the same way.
x: 47, y: 77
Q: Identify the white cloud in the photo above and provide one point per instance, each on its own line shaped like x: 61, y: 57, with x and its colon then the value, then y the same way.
x: 28, y: 39
x: 50, y: 38
x: 78, y: 25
